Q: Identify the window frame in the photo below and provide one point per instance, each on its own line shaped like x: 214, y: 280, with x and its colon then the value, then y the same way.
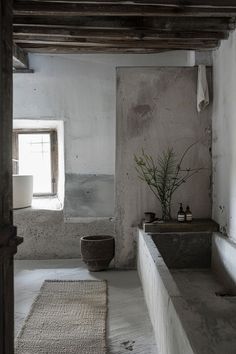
x: 54, y: 154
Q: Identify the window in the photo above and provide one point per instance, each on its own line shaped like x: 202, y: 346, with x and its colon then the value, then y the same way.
x: 35, y: 153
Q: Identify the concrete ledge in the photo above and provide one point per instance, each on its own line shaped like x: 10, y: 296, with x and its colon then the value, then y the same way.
x: 47, y: 236
x: 82, y: 219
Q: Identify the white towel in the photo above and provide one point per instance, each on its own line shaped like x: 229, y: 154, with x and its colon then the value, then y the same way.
x: 202, y: 89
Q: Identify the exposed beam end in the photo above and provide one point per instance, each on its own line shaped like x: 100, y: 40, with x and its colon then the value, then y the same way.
x: 20, y: 58
x: 23, y: 71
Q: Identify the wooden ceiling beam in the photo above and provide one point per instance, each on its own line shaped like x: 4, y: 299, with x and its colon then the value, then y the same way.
x: 157, y: 23
x: 161, y: 44
x: 41, y: 33
x: 36, y: 8
x: 126, y: 25
x: 206, y: 3
x: 54, y: 49
x: 57, y: 49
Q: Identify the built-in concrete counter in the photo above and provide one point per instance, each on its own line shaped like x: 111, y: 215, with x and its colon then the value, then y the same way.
x: 184, y: 244
x: 190, y: 310
x: 196, y: 225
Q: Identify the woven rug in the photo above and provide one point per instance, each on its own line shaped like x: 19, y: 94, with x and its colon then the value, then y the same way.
x: 67, y: 317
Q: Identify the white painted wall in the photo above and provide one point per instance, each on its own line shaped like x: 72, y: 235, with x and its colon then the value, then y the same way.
x: 224, y: 141
x: 81, y: 90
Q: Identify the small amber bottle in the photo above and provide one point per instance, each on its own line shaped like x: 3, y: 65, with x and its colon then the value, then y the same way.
x: 188, y: 214
x: 181, y: 214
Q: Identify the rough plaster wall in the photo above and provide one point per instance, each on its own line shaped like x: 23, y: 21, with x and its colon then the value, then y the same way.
x: 47, y: 236
x: 224, y: 142
x: 81, y: 91
x: 88, y: 194
x: 156, y: 108
x: 203, y: 58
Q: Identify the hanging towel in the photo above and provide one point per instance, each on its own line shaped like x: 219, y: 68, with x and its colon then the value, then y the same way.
x: 202, y: 89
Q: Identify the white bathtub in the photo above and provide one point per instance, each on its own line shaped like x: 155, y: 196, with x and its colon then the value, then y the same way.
x: 22, y: 191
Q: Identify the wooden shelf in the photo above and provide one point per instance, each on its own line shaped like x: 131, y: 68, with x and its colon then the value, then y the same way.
x: 197, y: 225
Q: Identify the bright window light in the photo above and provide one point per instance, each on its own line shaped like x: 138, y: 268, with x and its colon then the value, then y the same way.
x: 35, y: 159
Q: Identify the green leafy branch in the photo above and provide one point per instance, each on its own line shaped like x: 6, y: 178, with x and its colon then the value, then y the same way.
x: 165, y: 176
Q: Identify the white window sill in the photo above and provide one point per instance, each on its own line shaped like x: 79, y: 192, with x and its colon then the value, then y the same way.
x: 43, y: 203
x: 46, y: 203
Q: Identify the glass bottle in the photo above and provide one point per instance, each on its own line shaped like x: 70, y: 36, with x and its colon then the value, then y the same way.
x: 181, y: 213
x: 188, y: 214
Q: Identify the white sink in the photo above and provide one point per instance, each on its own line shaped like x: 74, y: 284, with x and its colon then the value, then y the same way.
x: 22, y: 191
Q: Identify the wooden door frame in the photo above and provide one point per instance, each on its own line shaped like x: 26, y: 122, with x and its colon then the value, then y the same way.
x: 8, y: 236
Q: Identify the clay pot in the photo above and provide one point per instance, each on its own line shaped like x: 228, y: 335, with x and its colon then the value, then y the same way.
x: 97, y: 251
x: 149, y: 217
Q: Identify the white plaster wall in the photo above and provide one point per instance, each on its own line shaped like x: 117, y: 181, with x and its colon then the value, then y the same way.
x: 81, y: 90
x: 79, y: 93
x: 224, y: 141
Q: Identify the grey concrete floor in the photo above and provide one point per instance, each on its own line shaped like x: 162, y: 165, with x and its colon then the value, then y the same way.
x: 129, y: 327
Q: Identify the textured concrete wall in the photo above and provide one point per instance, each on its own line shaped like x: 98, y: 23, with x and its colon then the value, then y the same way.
x: 184, y: 250
x: 224, y: 142
x: 89, y: 195
x: 47, y: 236
x: 224, y: 261
x: 156, y: 109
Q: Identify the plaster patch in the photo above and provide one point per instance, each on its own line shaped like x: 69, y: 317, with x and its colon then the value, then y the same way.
x: 89, y: 196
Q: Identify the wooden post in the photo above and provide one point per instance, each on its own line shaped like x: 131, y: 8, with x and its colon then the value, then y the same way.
x: 8, y: 239
x: 5, y: 113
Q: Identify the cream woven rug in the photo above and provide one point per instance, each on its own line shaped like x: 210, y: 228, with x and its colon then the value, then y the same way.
x: 67, y: 317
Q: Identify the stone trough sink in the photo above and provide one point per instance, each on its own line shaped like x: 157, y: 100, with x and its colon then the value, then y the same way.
x: 191, y: 305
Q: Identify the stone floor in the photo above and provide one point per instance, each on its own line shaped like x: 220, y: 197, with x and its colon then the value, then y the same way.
x: 129, y: 327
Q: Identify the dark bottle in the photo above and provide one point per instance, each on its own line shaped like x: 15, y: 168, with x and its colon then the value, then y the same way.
x: 188, y: 214
x: 181, y: 214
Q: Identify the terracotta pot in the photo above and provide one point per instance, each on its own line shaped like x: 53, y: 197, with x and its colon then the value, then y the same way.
x: 97, y: 251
